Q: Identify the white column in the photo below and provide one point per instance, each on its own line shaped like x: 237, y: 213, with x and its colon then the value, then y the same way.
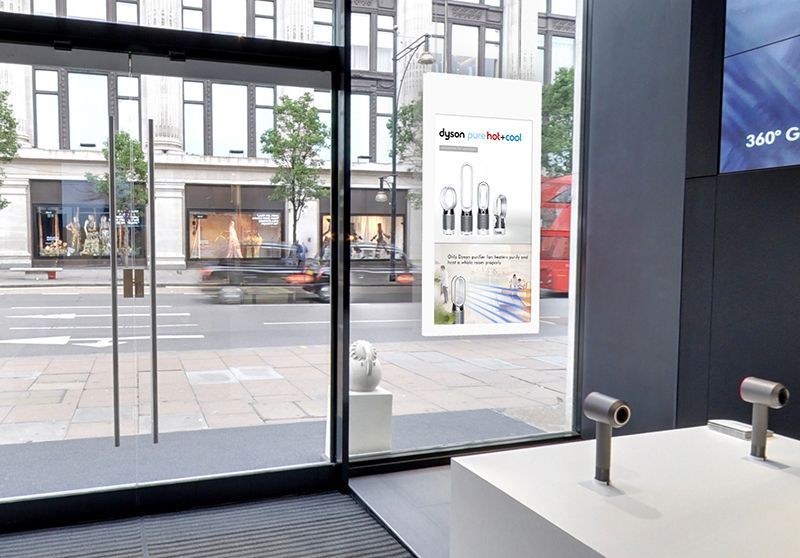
x: 18, y: 81
x: 162, y: 97
x: 521, y: 40
x: 295, y: 21
x: 15, y: 240
x: 170, y: 228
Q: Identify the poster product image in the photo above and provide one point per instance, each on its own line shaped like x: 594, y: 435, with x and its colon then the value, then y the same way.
x: 480, y: 271
x: 760, y: 113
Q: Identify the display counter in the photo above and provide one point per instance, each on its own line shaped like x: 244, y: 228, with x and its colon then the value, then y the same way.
x: 689, y: 492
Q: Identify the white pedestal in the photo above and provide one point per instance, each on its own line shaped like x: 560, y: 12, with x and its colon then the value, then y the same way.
x: 370, y: 422
x: 690, y: 492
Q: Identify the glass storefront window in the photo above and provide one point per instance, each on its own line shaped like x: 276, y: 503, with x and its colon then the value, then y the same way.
x: 235, y: 235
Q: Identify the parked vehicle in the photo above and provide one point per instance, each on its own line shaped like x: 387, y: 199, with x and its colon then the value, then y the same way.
x: 372, y: 278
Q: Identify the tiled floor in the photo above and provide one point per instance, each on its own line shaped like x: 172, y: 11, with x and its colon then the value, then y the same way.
x: 414, y: 504
x: 54, y: 398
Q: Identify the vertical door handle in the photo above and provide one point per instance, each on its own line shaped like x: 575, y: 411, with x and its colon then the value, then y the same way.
x: 112, y: 209
x: 151, y: 198
x: 127, y: 283
x: 138, y: 283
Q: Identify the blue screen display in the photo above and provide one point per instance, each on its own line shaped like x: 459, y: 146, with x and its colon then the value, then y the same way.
x: 761, y: 87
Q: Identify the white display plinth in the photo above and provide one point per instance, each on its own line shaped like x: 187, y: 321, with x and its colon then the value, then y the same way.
x: 690, y: 492
x: 370, y: 422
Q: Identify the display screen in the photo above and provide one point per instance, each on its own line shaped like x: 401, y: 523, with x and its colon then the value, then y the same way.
x: 761, y: 88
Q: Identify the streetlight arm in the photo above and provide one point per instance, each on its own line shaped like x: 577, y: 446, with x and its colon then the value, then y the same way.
x: 412, y: 47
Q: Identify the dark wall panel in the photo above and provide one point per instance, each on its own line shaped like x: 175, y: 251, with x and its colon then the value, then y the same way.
x: 696, y: 296
x: 756, y: 304
x: 633, y: 197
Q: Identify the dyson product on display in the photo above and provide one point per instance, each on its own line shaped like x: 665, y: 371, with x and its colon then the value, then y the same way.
x: 458, y: 288
x: 365, y: 368
x: 608, y: 413
x: 448, y: 200
x: 500, y: 210
x: 483, y: 208
x: 764, y: 395
x: 466, y: 199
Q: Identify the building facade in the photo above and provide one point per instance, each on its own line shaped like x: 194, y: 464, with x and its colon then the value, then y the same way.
x: 212, y: 179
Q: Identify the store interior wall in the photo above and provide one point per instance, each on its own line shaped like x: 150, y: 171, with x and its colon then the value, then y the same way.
x: 634, y: 171
x: 740, y: 309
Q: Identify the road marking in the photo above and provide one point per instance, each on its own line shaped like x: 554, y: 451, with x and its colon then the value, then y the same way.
x: 74, y: 316
x: 141, y: 326
x: 80, y: 307
x: 97, y: 342
x: 351, y: 321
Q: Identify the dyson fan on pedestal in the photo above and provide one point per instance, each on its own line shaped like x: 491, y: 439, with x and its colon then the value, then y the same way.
x: 447, y: 198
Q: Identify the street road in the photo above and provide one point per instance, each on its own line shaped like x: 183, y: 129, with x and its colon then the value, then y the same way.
x: 77, y: 320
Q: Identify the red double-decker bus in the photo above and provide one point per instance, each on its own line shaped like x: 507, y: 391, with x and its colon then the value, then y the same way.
x: 556, y: 214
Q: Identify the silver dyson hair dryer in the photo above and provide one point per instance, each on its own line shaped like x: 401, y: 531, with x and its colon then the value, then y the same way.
x: 764, y: 395
x: 608, y: 413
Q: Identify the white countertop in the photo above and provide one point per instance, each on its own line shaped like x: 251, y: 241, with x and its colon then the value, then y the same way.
x: 677, y: 493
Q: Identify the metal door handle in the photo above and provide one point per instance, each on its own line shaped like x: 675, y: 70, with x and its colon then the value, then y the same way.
x: 133, y: 283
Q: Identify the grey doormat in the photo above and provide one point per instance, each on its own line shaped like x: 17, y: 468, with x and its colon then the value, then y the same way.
x: 322, y: 525
x: 47, y: 467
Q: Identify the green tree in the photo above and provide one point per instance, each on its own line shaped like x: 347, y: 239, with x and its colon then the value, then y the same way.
x: 409, y: 143
x: 8, y: 137
x: 295, y: 144
x: 130, y: 170
x: 557, y: 121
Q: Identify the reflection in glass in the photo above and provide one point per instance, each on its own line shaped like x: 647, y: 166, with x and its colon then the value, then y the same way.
x: 229, y: 120
x: 127, y: 12
x: 86, y: 9
x: 88, y: 111
x: 193, y: 129
x: 47, y: 121
x: 235, y: 235
x: 563, y: 55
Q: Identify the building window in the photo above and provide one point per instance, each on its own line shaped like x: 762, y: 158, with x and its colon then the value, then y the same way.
x: 562, y: 54
x: 265, y: 114
x: 322, y: 101
x: 491, y: 49
x: 360, y: 29
x: 44, y: 7
x: 385, y: 43
x: 88, y: 110
x: 45, y: 84
x: 193, y: 15
x: 563, y: 7
x: 128, y: 116
x: 127, y: 11
x: 229, y: 120
x: 359, y: 128
x: 229, y: 17
x: 194, y: 117
x: 465, y: 42
x: 323, y: 26
x: 87, y: 9
x: 383, y: 135
x: 265, y: 19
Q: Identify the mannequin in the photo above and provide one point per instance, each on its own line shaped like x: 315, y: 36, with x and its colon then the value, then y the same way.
x: 74, y: 230
x: 105, y: 235
x: 91, y: 247
x: 234, y: 247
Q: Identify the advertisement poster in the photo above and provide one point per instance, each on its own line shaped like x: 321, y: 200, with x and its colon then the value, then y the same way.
x: 481, y: 205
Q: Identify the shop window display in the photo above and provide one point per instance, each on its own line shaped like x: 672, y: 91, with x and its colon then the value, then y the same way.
x: 74, y: 232
x: 234, y: 235
x: 369, y: 235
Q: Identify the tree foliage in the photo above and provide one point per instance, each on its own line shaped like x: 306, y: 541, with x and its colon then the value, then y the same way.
x: 557, y: 122
x: 409, y: 142
x: 8, y: 137
x: 130, y: 170
x: 295, y: 144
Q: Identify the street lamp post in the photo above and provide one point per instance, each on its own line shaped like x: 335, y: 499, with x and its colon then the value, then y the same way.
x: 425, y: 58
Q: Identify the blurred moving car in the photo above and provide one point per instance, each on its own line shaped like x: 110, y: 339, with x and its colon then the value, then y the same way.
x: 371, y: 275
x: 285, y: 279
